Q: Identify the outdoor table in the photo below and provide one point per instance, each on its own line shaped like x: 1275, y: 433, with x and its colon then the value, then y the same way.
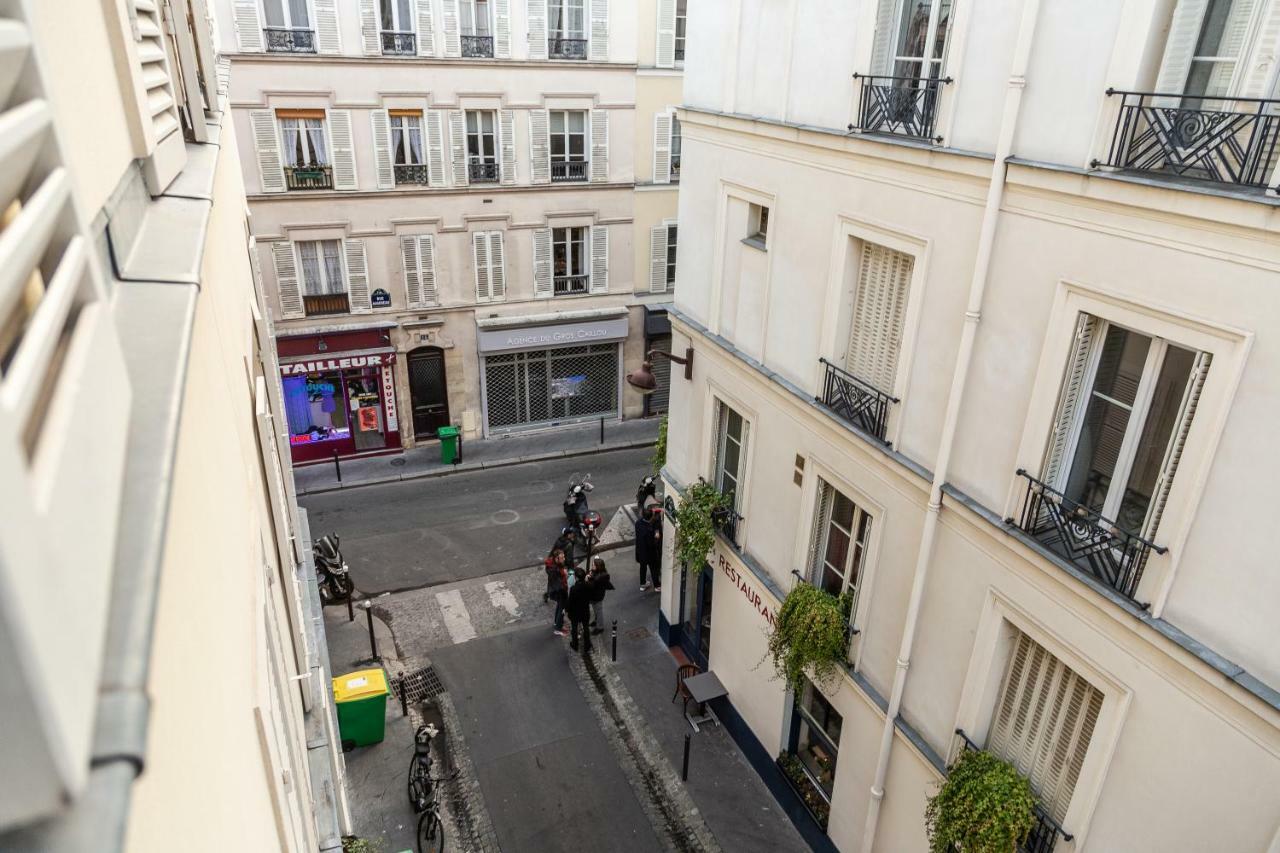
x: 702, y: 689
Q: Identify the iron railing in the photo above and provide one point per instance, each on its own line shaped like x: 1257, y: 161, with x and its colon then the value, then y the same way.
x: 477, y: 47
x: 675, y: 167
x: 1093, y: 542
x: 399, y: 44
x: 308, y: 177
x: 567, y: 48
x: 1223, y: 140
x: 566, y: 284
x: 285, y: 40
x: 858, y: 402
x: 728, y: 522
x: 412, y: 173
x: 319, y: 304
x: 482, y: 173
x: 1044, y: 835
x: 567, y: 171
x: 900, y: 106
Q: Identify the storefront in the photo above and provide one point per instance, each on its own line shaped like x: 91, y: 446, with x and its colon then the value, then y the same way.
x: 536, y: 374
x: 339, y: 394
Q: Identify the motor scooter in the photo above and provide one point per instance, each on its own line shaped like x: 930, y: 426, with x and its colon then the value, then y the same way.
x: 332, y: 574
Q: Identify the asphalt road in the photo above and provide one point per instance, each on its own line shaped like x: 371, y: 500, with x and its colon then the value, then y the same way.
x: 422, y: 532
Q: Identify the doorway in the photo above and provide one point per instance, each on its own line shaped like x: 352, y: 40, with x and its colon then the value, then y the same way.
x: 429, y: 392
x: 695, y: 633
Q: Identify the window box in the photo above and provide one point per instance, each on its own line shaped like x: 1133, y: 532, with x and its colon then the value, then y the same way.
x: 308, y: 177
x: 793, y: 770
x: 321, y: 304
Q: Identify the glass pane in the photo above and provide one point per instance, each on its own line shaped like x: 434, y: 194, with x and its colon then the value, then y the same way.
x: 823, y: 714
x: 406, y: 18
x: 732, y: 451
x: 274, y: 12
x: 1124, y: 354
x: 557, y: 147
x: 311, y: 281
x: 577, y: 147
x: 577, y: 122
x: 315, y: 408
x: 842, y: 510
x: 835, y: 555
x: 486, y: 120
x: 388, y: 19
x: 735, y: 425
x: 473, y: 120
x: 1162, y: 418
x: 482, y: 18
x: 815, y: 755
x: 298, y: 14
x: 557, y: 122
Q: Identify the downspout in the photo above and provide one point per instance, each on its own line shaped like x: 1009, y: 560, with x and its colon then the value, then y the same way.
x: 973, y: 313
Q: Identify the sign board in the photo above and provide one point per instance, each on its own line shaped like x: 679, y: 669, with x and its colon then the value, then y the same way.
x: 380, y: 299
x: 544, y: 337
x: 320, y: 365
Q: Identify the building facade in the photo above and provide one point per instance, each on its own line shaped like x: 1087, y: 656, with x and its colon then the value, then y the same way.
x: 982, y: 342
x: 164, y: 665
x: 463, y: 208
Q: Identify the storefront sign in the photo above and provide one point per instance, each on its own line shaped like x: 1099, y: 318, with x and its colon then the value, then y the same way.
x: 320, y: 365
x: 389, y: 399
x: 380, y: 299
x: 745, y: 584
x: 542, y: 337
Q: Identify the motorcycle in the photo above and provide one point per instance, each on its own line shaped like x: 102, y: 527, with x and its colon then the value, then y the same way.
x: 577, y: 512
x: 332, y: 572
x: 647, y: 493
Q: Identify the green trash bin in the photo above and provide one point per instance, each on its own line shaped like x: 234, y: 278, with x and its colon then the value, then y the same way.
x: 361, y: 700
x: 449, y: 439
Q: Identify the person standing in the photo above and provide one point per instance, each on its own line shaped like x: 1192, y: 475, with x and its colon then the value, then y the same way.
x: 568, y: 542
x: 580, y: 612
x: 598, y: 580
x: 558, y: 587
x: 649, y: 548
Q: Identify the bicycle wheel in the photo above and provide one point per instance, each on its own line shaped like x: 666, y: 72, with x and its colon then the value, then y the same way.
x: 419, y: 785
x: 430, y: 832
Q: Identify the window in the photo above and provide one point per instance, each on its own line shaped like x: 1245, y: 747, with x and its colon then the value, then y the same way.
x: 315, y: 408
x: 475, y: 17
x: 675, y: 153
x: 568, y: 145
x: 286, y: 14
x: 565, y: 19
x: 817, y: 737
x: 569, y: 260
x: 397, y: 16
x: 758, y: 225
x: 881, y: 287
x: 1218, y: 47
x: 730, y: 452
x: 681, y: 13
x: 841, y: 533
x: 406, y: 139
x: 914, y: 33
x: 304, y: 142
x: 481, y: 141
x: 671, y: 258
x: 322, y: 267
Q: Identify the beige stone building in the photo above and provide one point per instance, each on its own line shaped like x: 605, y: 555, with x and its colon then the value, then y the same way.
x: 984, y: 341
x: 163, y: 663
x: 464, y: 209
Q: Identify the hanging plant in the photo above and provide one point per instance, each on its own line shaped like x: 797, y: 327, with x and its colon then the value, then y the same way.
x: 696, y: 523
x: 659, y: 457
x: 983, y: 806
x: 810, y: 635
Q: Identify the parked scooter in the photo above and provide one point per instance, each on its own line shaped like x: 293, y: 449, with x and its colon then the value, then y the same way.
x: 647, y: 493
x: 577, y: 512
x: 331, y: 569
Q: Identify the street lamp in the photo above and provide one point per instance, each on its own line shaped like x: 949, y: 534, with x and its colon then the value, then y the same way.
x: 643, y: 379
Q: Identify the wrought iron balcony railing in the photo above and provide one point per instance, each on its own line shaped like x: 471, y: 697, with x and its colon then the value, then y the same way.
x: 482, y: 173
x: 567, y: 284
x: 728, y: 522
x: 477, y: 47
x: 1222, y: 140
x: 675, y: 167
x: 285, y: 40
x: 399, y: 44
x: 567, y: 48
x: 858, y: 402
x: 900, y: 106
x: 308, y: 177
x: 319, y: 304
x: 566, y: 171
x: 1044, y: 835
x: 412, y: 173
x: 1093, y: 542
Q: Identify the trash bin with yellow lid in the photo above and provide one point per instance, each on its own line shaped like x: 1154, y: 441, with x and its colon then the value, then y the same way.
x: 361, y: 700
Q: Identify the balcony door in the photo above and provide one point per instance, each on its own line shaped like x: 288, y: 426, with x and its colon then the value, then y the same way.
x: 428, y: 391
x: 921, y: 31
x: 1205, y: 52
x: 286, y: 14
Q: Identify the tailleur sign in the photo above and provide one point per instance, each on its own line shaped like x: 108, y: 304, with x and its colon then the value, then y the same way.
x: 320, y: 365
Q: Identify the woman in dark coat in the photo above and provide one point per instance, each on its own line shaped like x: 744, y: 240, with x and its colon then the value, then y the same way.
x: 558, y: 587
x: 598, y: 580
x: 580, y: 611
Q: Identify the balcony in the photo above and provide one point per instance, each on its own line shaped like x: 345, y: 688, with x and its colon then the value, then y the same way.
x: 321, y: 304
x: 566, y: 48
x: 1044, y: 835
x: 675, y: 167
x: 399, y: 44
x: 285, y: 40
x: 859, y: 403
x: 308, y: 177
x: 568, y: 171
x: 482, y: 173
x: 899, y: 106
x: 1091, y: 541
x: 1185, y: 136
x: 477, y: 47
x: 566, y: 285
x: 728, y: 522
x: 412, y: 173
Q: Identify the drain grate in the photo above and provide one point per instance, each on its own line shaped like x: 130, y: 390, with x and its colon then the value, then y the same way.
x: 422, y: 684
x: 638, y: 633
x: 398, y: 462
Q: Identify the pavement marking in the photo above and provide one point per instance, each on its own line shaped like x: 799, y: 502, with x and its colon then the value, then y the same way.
x: 456, y: 618
x: 503, y: 598
x: 505, y: 516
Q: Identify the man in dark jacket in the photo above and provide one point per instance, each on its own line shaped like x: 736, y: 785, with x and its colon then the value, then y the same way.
x: 568, y: 542
x: 649, y: 548
x: 557, y: 588
x: 580, y: 611
x: 598, y: 580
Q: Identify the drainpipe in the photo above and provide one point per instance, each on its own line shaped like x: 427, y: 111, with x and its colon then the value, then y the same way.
x: 973, y: 313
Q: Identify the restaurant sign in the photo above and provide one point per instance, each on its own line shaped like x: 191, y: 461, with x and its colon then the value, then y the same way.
x: 747, y: 586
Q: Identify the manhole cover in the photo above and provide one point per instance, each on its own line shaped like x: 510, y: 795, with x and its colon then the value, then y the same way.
x: 638, y: 633
x: 422, y: 684
x: 398, y: 462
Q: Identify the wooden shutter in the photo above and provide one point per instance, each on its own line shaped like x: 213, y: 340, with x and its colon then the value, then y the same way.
x: 666, y: 44
x: 599, y: 146
x: 458, y: 144
x: 882, y: 47
x: 879, y: 309
x: 248, y: 26
x: 1043, y: 723
x: 157, y: 98
x: 267, y: 142
x: 1184, y: 33
x: 660, y: 400
x: 452, y: 33
x: 435, y: 148
x: 427, y: 269
x: 382, y: 149
x: 1173, y: 453
x: 370, y: 28
x: 425, y: 18
x: 480, y: 249
x: 536, y: 16
x: 543, y: 286
x: 599, y: 259
x: 502, y: 29
x: 598, y: 46
x: 357, y: 277
x: 662, y: 148
x: 497, y: 267
x: 412, y: 270
x: 1070, y: 398
x: 1259, y: 83
x: 344, y: 152
x: 287, y: 281
x: 539, y: 147
x: 818, y: 535
x: 328, y: 39
x: 507, y: 145
x: 658, y: 259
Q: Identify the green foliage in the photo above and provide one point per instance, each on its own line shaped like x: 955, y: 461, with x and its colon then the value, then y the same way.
x: 810, y: 635
x: 659, y: 457
x: 695, y: 526
x: 352, y: 844
x: 804, y: 786
x: 983, y: 806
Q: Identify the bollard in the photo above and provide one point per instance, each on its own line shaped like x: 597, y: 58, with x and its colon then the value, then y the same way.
x: 373, y: 641
x: 337, y: 466
x: 351, y: 613
x: 404, y: 699
x: 602, y: 430
x: 684, y: 770
x: 614, y: 656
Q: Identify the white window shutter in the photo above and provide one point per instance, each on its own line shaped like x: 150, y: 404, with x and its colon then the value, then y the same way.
x: 536, y: 15
x: 497, y: 266
x: 875, y: 333
x: 357, y: 277
x: 1173, y: 453
x: 427, y: 269
x: 598, y: 45
x: 823, y: 503
x: 507, y: 142
x: 435, y: 148
x: 287, y: 281
x: 543, y: 286
x: 883, y: 43
x: 370, y: 28
x: 344, y: 152
x: 539, y: 147
x: 480, y: 249
x: 599, y: 259
x: 1259, y: 83
x: 665, y: 49
x: 599, y: 146
x: 328, y: 39
x: 458, y: 143
x: 662, y: 148
x: 157, y: 98
x: 267, y: 142
x: 412, y: 271
x: 658, y: 259
x: 426, y: 20
x: 502, y: 29
x: 248, y: 26
x: 452, y: 33
x: 1070, y: 398
x: 382, y: 149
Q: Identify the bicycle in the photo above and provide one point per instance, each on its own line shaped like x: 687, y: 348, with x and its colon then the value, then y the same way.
x: 430, y: 828
x: 420, y: 781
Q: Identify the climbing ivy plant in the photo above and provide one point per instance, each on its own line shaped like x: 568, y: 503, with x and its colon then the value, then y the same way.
x: 983, y: 806
x: 810, y: 635
x: 696, y: 523
x: 659, y: 457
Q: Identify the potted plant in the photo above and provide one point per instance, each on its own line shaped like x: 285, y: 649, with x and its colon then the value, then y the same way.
x: 810, y: 635
x: 983, y: 806
x: 793, y: 769
x: 695, y: 521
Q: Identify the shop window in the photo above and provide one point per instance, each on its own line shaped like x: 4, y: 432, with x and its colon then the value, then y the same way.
x: 814, y: 746
x: 316, y: 408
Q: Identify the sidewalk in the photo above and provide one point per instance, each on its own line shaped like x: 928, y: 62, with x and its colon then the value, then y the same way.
x: 418, y: 462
